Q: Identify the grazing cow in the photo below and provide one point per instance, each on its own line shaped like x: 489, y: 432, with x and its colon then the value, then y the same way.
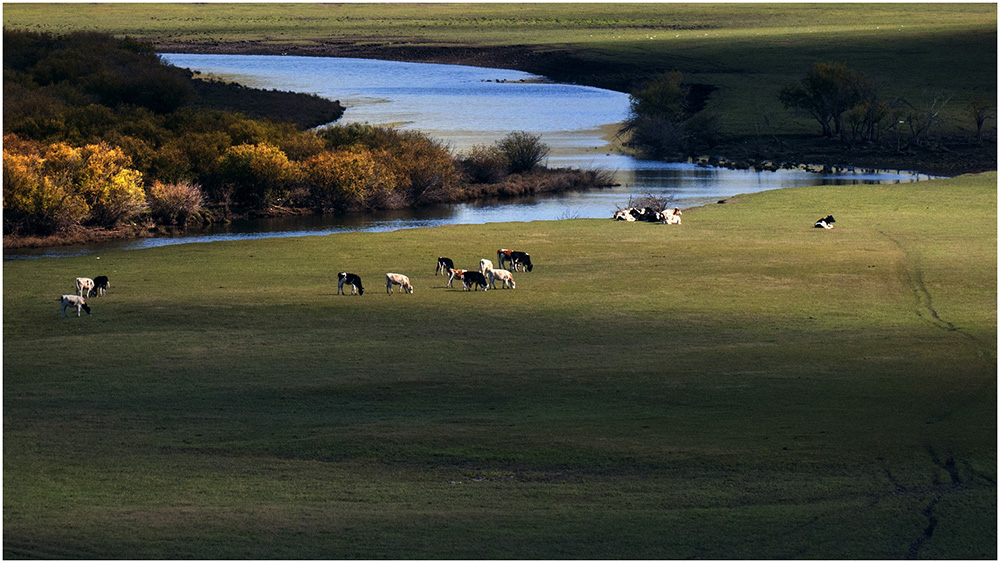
x: 444, y: 264
x: 825, y: 223
x: 353, y: 280
x: 503, y: 255
x: 84, y: 286
x: 397, y: 279
x: 72, y: 301
x: 672, y: 216
x: 101, y: 285
x: 520, y: 260
x: 472, y: 278
x: 502, y: 275
x: 454, y: 274
x: 485, y: 265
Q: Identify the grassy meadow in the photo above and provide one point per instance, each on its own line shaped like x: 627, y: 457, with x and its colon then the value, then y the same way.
x: 740, y: 386
x: 920, y: 51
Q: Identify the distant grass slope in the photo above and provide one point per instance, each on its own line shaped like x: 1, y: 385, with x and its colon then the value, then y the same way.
x: 747, y: 51
x: 740, y: 386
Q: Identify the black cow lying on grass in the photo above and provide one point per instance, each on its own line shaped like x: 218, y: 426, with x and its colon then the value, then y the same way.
x: 825, y: 223
x: 351, y: 279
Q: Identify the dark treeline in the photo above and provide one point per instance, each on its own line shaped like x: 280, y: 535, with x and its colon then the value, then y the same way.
x: 100, y: 133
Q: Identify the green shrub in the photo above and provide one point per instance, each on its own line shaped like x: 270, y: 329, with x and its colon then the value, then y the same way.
x: 522, y: 151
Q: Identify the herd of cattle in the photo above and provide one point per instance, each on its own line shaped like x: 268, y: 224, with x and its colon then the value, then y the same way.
x: 484, y: 278
x: 667, y: 216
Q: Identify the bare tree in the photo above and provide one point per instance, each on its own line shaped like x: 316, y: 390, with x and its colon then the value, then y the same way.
x: 980, y: 110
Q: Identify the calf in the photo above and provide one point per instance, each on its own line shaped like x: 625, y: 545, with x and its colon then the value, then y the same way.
x: 502, y: 275
x: 353, y: 280
x: 72, y: 301
x: 453, y: 274
x: 397, y: 279
x: 84, y: 286
x: 444, y: 265
x: 472, y: 278
x: 101, y: 285
x: 520, y: 260
x: 825, y: 223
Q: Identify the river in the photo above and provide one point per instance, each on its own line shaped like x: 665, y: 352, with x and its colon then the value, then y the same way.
x: 464, y: 106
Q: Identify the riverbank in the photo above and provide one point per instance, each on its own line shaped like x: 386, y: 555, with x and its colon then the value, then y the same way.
x: 949, y: 156
x: 542, y: 181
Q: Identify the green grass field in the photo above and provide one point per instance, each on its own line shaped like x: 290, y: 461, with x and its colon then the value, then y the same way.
x: 740, y: 386
x: 920, y: 51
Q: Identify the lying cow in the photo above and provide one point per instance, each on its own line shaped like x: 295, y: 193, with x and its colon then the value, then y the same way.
x: 825, y: 223
x: 444, y: 264
x: 72, y: 301
x: 352, y: 280
x: 672, y: 216
x: 473, y: 278
x: 402, y: 281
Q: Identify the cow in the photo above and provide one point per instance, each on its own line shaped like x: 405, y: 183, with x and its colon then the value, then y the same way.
x: 485, y: 266
x: 402, y: 281
x: 444, y: 264
x: 353, y: 280
x: 72, y: 301
x: 503, y: 255
x: 520, y: 260
x: 825, y: 223
x: 672, y: 216
x: 84, y: 286
x: 502, y: 275
x: 101, y: 285
x: 454, y: 274
x: 473, y: 278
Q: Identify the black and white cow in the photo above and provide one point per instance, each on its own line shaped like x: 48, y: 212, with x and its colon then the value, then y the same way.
x: 351, y: 279
x: 444, y: 264
x: 472, y: 278
x: 72, y: 301
x: 520, y: 260
x: 825, y: 223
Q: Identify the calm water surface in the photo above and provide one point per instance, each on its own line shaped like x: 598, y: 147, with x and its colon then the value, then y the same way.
x: 464, y: 106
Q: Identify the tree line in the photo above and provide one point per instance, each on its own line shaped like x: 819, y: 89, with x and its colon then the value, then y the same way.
x: 99, y: 132
x: 667, y: 116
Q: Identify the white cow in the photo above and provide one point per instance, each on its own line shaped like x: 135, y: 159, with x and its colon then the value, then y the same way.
x: 84, y: 286
x: 397, y: 279
x: 72, y: 301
